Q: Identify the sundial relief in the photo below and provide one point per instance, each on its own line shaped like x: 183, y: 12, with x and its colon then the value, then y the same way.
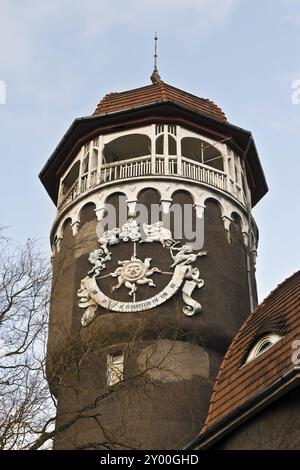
x: 134, y: 273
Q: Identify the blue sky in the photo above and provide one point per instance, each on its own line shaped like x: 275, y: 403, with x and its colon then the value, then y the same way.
x: 59, y: 57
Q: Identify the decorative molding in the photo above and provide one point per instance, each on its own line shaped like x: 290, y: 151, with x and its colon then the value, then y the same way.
x: 166, y: 190
x: 199, y: 208
x: 166, y: 204
x: 132, y: 207
x: 100, y: 211
x: 134, y: 272
x: 227, y: 222
x: 75, y: 227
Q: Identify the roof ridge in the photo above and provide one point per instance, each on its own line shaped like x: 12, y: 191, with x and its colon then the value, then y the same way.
x: 162, y: 89
x: 158, y: 92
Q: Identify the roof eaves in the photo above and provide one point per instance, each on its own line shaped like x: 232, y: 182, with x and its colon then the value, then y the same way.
x: 121, y: 111
x: 242, y: 413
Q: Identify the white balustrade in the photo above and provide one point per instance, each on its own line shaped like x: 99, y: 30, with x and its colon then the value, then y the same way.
x: 142, y: 166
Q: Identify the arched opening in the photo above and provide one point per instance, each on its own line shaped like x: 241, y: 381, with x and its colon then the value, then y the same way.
x: 94, y: 159
x: 85, y: 171
x: 94, y: 166
x: 236, y: 227
x: 149, y: 205
x: 116, y: 211
x: 172, y: 145
x: 127, y: 147
x: 159, y: 145
x: 203, y: 152
x: 71, y: 178
x: 85, y: 164
x: 66, y: 225
x: 87, y: 217
x: 183, y: 216
x: 261, y: 345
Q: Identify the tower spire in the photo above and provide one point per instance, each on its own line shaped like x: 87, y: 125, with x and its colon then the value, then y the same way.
x: 155, y: 77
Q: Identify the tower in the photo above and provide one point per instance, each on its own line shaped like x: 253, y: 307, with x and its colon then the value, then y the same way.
x: 141, y: 312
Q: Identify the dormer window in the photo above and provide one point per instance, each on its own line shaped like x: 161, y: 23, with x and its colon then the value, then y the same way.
x: 262, y: 345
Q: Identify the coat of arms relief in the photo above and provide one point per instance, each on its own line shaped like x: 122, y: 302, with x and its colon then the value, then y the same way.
x: 134, y: 273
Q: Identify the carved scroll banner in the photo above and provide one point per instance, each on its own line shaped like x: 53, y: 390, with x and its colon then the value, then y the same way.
x: 90, y: 295
x: 134, y: 272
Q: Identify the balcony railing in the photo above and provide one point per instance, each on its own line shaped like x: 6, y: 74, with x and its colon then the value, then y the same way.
x: 142, y: 166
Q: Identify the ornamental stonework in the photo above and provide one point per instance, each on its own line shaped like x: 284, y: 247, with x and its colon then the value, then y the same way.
x: 134, y: 273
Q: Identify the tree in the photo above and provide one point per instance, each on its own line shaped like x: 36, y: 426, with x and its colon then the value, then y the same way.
x: 29, y: 418
x: 25, y: 400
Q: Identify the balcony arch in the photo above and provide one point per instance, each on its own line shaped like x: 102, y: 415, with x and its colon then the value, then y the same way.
x: 87, y: 205
x: 172, y: 144
x: 159, y: 145
x: 127, y: 147
x: 94, y: 159
x: 202, y: 152
x: 86, y: 163
x: 71, y: 179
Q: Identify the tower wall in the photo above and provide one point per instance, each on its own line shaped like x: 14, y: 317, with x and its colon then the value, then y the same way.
x: 170, y: 360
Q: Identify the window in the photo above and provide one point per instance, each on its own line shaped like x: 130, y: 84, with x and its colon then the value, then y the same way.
x: 172, y: 146
x: 115, y: 368
x: 159, y: 145
x: 127, y: 147
x: 71, y: 178
x: 203, y: 152
x: 85, y: 164
x: 94, y: 159
x: 265, y: 343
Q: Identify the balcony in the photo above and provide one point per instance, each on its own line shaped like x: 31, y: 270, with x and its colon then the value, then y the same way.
x: 159, y: 166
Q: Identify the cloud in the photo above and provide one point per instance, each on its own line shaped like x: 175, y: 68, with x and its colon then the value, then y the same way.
x: 40, y: 41
x: 25, y: 25
x: 291, y: 12
x: 196, y: 15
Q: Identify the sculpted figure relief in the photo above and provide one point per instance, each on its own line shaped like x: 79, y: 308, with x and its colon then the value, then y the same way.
x: 134, y: 272
x: 184, y: 255
x: 98, y: 258
x: 156, y: 233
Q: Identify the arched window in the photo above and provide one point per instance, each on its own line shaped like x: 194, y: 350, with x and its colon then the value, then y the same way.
x: 262, y: 345
x: 159, y: 145
x: 85, y: 164
x: 127, y: 147
x: 172, y: 145
x: 202, y: 152
x: 94, y: 159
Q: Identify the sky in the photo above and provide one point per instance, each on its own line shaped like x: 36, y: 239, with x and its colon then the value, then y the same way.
x: 58, y: 58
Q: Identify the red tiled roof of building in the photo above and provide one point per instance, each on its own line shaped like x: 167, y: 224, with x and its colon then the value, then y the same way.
x: 237, y: 382
x: 157, y: 93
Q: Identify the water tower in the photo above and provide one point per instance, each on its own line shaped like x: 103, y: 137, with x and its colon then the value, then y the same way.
x: 141, y: 316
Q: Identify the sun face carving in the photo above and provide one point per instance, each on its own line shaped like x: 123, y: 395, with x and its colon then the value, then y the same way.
x: 134, y: 272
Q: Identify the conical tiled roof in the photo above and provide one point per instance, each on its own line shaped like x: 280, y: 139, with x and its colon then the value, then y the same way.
x: 157, y: 93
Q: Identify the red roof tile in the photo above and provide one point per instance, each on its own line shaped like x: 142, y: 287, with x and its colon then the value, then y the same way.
x: 237, y: 382
x: 156, y: 93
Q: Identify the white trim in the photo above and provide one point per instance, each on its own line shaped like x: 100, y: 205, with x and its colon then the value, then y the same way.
x: 259, y: 348
x: 166, y: 187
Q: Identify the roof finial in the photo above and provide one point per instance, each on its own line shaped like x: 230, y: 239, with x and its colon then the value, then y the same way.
x: 155, y: 78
